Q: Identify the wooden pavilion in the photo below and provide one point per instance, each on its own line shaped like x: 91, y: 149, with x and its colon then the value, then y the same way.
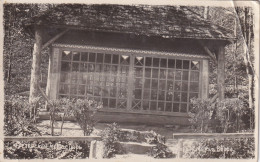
x: 143, y: 62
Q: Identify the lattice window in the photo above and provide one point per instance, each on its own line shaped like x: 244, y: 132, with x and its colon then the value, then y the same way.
x: 129, y: 81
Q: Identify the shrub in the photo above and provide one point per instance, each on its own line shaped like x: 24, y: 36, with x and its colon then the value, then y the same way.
x: 84, y: 111
x: 18, y: 118
x: 45, y: 149
x: 200, y: 114
x: 110, y: 137
x: 240, y: 148
x: 229, y: 112
x: 161, y: 151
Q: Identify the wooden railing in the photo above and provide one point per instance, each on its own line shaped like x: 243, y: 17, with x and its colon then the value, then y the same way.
x: 181, y: 137
x: 95, y: 140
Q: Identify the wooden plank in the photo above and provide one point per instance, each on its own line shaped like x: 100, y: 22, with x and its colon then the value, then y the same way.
x: 221, y: 72
x: 55, y: 74
x: 110, y: 117
x: 36, y: 63
x: 211, y: 135
x: 53, y: 138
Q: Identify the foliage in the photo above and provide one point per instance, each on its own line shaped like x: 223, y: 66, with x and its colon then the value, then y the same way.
x: 84, y: 111
x: 229, y: 112
x: 18, y: 118
x: 49, y: 150
x: 161, y: 151
x: 201, y: 114
x: 238, y: 148
x: 110, y: 137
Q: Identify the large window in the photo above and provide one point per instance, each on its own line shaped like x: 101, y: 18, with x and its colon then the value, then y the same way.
x: 130, y: 81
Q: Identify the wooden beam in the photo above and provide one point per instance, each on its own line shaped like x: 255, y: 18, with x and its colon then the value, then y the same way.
x: 221, y: 72
x: 212, y: 56
x: 36, y: 62
x: 49, y: 42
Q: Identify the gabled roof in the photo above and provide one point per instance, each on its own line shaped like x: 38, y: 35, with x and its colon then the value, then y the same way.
x: 163, y: 21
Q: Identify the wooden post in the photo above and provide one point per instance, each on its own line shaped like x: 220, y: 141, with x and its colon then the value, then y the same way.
x: 36, y: 63
x: 180, y: 148
x: 221, y: 72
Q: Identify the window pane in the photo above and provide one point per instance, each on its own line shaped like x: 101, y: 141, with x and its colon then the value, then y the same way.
x: 163, y: 63
x: 122, y: 104
x: 184, y: 97
x: 148, y: 72
x: 136, y: 104
x: 125, y: 60
x: 113, y: 91
x: 184, y: 86
x: 148, y: 61
x: 156, y: 62
x: 139, y: 61
x: 83, y: 67
x: 66, y: 55
x: 163, y: 73
x: 147, y: 83
x: 138, y: 93
x: 194, y: 76
x: 138, y: 71
x: 92, y: 57
x: 168, y: 107
x: 169, y: 96
x: 138, y: 82
x: 107, y: 58
x: 177, y: 86
x: 169, y: 85
x: 76, y: 56
x: 175, y: 107
x: 146, y: 94
x: 99, y: 57
x: 84, y: 56
x: 186, y: 64
x: 195, y: 65
x: 183, y: 108
x: 114, y: 69
x: 178, y: 64
x: 194, y: 86
x: 91, y: 67
x: 64, y: 78
x: 178, y: 75
x: 154, y: 84
x: 73, y: 89
x: 185, y: 75
x: 170, y: 73
x: 64, y: 89
x: 193, y: 95
x: 75, y: 66
x: 155, y: 73
x: 112, y: 103
x: 81, y: 90
x: 154, y: 94
x: 161, y: 106
x: 153, y: 105
x: 171, y: 63
x: 177, y: 96
x: 65, y: 66
x: 161, y: 95
x: 115, y: 59
x: 162, y: 84
x: 146, y: 105
x: 99, y: 68
x: 105, y: 102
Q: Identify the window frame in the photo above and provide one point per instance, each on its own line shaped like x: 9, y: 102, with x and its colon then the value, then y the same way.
x: 131, y: 67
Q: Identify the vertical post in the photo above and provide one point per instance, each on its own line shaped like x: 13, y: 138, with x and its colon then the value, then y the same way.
x: 36, y: 63
x: 180, y: 148
x: 205, y: 79
x: 221, y: 72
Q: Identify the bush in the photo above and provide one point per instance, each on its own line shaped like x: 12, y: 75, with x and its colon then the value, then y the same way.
x: 201, y: 114
x: 44, y: 149
x: 84, y: 111
x: 18, y: 116
x: 110, y: 137
x: 242, y: 148
x: 161, y: 151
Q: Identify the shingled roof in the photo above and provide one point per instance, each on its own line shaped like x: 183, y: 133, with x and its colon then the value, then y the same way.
x: 163, y: 21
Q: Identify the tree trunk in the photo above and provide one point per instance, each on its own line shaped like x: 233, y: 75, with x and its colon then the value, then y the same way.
x: 36, y: 63
x: 221, y: 72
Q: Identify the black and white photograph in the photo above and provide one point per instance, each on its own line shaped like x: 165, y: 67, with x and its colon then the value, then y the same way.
x: 129, y: 81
